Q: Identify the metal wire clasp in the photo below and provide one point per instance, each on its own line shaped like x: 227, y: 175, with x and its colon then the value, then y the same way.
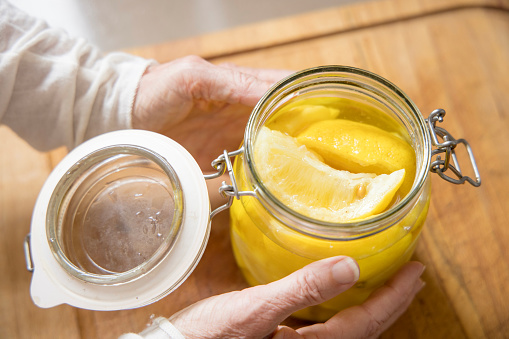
x: 223, y: 164
x: 447, y: 146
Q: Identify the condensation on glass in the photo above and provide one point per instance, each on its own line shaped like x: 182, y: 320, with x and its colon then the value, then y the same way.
x: 115, y: 215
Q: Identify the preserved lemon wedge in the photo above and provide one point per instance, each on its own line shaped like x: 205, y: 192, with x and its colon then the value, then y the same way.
x: 301, y: 180
x: 360, y: 148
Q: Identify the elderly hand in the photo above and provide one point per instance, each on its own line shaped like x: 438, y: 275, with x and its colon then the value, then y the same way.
x: 256, y: 312
x: 202, y: 106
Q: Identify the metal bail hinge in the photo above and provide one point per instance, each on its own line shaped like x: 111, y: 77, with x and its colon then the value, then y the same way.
x: 447, y: 146
x: 222, y: 164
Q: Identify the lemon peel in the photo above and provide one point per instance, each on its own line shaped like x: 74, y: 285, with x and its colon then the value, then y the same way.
x: 360, y: 148
x: 292, y: 120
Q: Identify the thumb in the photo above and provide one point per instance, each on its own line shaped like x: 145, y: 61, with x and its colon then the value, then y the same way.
x: 309, y: 286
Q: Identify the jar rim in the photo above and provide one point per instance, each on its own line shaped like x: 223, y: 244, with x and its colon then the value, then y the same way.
x: 313, y: 226
x: 83, y: 167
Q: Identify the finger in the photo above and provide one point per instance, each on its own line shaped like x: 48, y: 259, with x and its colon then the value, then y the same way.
x: 219, y: 84
x: 385, y: 293
x: 383, y: 304
x: 378, y: 313
x: 284, y: 332
x: 224, y: 84
x: 200, y: 80
x: 251, y: 83
x: 245, y: 87
x: 267, y: 75
x: 311, y: 285
x: 395, y: 316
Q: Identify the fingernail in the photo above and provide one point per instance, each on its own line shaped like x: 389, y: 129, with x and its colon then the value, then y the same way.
x: 346, y: 271
x: 423, y: 284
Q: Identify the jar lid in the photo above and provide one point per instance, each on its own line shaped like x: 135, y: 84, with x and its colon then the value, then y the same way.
x: 120, y: 223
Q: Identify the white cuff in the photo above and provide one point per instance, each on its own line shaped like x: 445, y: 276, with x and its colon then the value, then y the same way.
x: 160, y: 328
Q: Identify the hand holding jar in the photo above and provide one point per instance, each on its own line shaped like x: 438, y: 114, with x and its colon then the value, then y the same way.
x: 256, y: 312
x: 202, y: 106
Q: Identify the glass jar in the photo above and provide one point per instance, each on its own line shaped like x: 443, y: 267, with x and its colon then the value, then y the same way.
x: 271, y: 240
x: 124, y: 218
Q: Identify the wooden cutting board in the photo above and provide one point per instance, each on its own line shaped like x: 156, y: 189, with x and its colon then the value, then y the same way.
x: 452, y: 54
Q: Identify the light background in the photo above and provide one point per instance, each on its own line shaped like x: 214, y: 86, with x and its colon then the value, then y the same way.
x: 117, y: 24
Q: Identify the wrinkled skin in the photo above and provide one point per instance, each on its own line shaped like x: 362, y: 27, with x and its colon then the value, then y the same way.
x: 256, y: 312
x: 205, y: 108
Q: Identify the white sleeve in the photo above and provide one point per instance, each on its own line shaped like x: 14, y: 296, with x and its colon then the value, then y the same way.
x: 161, y: 328
x: 57, y: 90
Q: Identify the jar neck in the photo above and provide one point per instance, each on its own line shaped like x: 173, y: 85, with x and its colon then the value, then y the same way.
x: 342, y: 82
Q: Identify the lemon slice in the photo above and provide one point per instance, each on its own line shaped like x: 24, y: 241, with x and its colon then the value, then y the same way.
x: 292, y: 120
x: 360, y: 148
x: 300, y: 180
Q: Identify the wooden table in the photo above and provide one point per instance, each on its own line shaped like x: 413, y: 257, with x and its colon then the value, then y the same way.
x: 452, y: 54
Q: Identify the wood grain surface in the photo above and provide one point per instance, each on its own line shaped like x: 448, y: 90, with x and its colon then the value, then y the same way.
x: 452, y: 54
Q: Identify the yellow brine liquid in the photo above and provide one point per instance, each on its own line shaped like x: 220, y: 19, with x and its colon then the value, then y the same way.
x: 334, y: 160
